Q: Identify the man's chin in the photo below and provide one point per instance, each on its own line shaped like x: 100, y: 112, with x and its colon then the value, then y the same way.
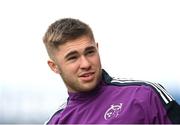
x: 88, y: 88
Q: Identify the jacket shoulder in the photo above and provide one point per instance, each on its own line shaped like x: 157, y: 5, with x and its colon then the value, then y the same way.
x: 56, y: 115
x: 158, y: 88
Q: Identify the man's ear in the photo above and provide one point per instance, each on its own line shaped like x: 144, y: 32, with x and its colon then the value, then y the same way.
x: 53, y: 66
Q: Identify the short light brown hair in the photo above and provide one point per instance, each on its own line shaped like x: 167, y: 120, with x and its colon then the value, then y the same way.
x: 63, y: 30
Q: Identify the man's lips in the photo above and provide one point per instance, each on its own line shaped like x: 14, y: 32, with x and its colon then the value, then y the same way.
x: 88, y: 76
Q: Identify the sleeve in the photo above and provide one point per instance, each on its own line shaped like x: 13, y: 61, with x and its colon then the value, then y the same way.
x: 166, y: 108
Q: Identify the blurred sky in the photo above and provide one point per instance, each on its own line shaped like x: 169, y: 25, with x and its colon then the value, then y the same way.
x: 138, y: 39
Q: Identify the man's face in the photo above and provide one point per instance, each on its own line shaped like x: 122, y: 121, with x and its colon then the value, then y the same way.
x: 78, y: 63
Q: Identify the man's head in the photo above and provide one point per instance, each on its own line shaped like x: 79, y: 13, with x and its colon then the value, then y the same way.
x: 74, y: 54
x: 63, y: 31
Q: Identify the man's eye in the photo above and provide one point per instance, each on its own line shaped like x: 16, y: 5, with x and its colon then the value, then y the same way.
x: 72, y: 58
x: 90, y: 52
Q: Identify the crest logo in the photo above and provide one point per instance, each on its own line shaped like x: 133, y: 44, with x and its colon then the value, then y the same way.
x: 113, y: 111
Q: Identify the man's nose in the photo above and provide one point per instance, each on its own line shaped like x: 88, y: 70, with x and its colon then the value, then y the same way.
x: 84, y: 63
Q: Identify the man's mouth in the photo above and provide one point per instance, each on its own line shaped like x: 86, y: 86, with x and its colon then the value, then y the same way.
x: 89, y: 76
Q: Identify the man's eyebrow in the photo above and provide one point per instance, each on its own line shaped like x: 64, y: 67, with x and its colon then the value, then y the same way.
x: 70, y: 54
x: 90, y: 48
x: 75, y: 52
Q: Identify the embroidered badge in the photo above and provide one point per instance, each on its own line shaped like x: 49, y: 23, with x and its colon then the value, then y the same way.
x: 113, y: 111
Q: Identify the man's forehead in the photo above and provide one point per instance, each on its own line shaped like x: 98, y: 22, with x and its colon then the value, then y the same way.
x: 81, y: 48
x: 77, y: 46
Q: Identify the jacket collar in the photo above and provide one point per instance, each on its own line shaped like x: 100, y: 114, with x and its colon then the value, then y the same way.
x: 106, y: 78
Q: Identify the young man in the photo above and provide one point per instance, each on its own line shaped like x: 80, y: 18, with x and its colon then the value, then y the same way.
x: 94, y: 96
